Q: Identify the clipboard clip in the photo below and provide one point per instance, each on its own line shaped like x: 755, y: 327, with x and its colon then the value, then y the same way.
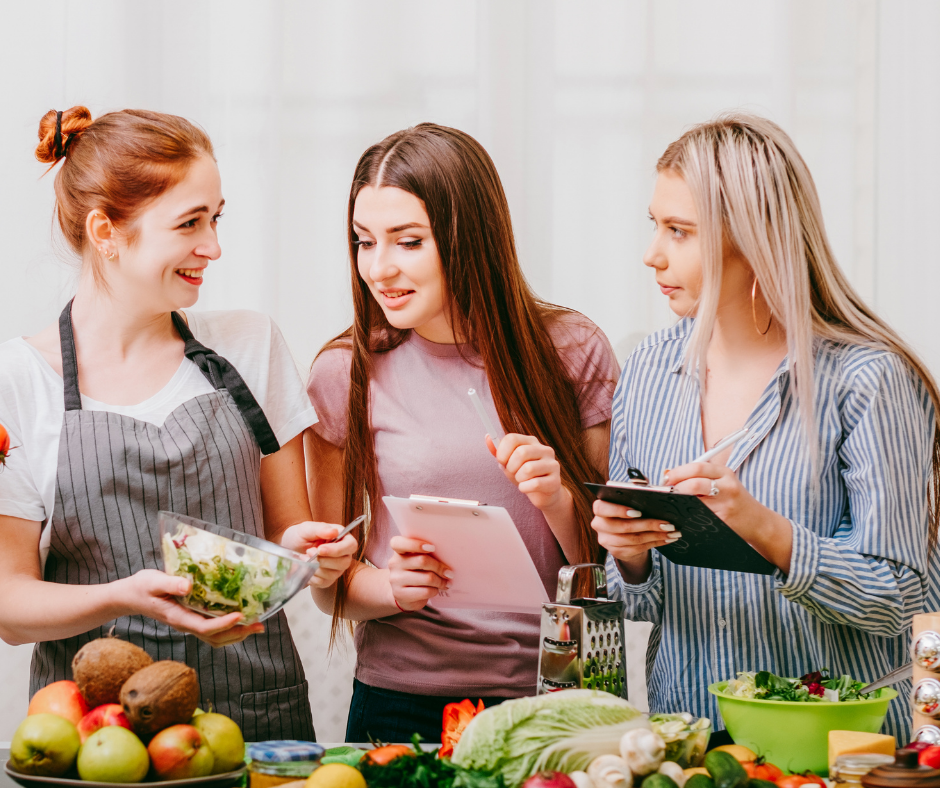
x: 637, y: 479
x: 437, y: 499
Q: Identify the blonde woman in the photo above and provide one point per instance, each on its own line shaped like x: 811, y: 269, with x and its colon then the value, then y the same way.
x: 836, y: 483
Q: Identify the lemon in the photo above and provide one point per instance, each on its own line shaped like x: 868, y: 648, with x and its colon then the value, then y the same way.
x: 336, y: 775
x: 738, y: 751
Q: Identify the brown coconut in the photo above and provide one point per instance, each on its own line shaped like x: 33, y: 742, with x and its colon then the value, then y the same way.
x: 101, y: 667
x: 162, y: 694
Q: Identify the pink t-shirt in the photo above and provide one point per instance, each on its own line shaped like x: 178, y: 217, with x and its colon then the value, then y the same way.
x: 429, y: 440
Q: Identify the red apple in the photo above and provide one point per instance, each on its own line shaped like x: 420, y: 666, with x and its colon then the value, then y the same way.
x: 101, y: 717
x: 62, y: 698
x: 180, y: 752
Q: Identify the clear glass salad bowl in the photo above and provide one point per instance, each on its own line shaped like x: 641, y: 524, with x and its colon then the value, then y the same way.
x: 231, y: 571
x: 686, y: 737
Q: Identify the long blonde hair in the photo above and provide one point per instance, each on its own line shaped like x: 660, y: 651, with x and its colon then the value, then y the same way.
x: 753, y: 190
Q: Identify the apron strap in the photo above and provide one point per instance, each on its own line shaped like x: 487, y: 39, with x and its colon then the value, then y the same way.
x: 73, y: 398
x: 218, y: 371
x: 214, y: 367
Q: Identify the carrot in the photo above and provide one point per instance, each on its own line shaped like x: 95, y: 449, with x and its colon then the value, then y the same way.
x: 379, y: 756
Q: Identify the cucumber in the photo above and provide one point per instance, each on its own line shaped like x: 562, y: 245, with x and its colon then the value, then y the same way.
x: 659, y: 781
x: 757, y: 783
x: 725, y: 770
x: 700, y: 781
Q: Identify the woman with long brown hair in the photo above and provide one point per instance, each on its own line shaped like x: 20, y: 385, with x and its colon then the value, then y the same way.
x: 442, y: 306
x: 836, y: 482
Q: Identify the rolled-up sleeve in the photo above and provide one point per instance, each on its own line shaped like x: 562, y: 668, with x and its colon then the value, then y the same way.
x: 872, y: 573
x: 642, y: 601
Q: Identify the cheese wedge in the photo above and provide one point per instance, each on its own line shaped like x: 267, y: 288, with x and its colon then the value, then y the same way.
x: 854, y: 742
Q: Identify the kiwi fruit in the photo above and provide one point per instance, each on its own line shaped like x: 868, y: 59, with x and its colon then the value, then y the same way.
x: 162, y: 694
x: 101, y: 667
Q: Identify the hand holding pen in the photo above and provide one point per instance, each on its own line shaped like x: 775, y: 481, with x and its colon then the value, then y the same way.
x: 629, y: 537
x: 701, y: 469
x: 722, y: 491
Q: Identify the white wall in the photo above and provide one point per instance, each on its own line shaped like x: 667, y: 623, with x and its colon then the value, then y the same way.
x: 574, y: 100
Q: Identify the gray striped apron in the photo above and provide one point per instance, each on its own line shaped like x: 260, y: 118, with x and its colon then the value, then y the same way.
x: 114, y: 474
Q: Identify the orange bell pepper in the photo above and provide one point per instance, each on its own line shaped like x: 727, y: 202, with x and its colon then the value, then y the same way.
x: 457, y: 717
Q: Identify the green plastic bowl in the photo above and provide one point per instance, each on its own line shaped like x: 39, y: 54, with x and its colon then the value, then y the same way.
x: 795, y: 736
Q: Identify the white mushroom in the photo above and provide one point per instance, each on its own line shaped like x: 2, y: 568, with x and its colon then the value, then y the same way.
x: 610, y: 770
x: 643, y: 750
x: 674, y: 771
x: 582, y: 780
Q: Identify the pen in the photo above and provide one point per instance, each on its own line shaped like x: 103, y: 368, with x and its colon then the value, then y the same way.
x: 719, y: 447
x: 723, y: 444
x: 360, y: 519
x: 484, y: 416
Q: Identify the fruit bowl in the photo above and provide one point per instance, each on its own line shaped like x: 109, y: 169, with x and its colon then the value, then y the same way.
x: 211, y: 781
x: 795, y: 735
x: 231, y: 571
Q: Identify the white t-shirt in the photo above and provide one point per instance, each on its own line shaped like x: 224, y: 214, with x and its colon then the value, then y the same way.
x: 32, y: 400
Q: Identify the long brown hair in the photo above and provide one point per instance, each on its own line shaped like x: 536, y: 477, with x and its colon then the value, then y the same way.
x: 491, y: 305
x: 752, y: 188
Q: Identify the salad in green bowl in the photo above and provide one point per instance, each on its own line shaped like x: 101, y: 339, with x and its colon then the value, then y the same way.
x: 814, y: 687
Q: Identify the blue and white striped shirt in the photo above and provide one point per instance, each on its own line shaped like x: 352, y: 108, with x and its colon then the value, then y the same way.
x: 859, y: 568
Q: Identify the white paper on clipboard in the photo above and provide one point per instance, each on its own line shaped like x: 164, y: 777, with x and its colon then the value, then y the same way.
x: 492, y: 567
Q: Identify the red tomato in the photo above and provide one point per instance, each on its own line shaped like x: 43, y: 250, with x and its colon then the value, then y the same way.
x: 930, y: 756
x: 4, y: 444
x: 796, y: 780
x: 759, y: 769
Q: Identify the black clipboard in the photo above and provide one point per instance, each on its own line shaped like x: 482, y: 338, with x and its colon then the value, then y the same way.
x: 707, y: 540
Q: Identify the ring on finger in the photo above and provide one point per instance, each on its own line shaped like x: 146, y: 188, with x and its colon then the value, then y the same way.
x: 714, y: 489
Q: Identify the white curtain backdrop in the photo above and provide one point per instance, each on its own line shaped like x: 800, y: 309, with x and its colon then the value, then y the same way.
x: 574, y: 100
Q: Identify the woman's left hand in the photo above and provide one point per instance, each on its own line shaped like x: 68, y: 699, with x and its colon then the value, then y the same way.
x: 722, y: 492
x: 314, y: 540
x: 533, y: 468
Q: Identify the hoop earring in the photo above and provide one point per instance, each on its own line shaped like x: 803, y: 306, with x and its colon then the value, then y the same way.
x: 754, y: 311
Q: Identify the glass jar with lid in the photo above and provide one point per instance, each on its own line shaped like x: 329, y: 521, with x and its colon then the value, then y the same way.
x: 273, y: 763
x: 848, y: 769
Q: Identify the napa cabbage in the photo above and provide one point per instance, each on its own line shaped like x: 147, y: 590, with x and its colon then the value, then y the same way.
x: 561, y: 731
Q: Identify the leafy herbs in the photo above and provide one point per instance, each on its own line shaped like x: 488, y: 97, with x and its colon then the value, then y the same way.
x: 426, y: 770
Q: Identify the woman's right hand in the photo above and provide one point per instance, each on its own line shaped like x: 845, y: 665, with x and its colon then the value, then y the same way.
x: 414, y: 574
x: 629, y: 537
x: 153, y: 594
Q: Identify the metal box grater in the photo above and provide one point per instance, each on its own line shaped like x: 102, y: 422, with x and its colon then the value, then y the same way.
x: 581, y: 640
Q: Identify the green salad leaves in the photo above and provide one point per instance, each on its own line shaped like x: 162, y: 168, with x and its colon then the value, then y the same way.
x: 223, y: 581
x: 814, y: 687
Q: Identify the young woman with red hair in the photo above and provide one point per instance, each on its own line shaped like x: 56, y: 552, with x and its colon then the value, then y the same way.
x: 442, y: 306
x: 129, y: 405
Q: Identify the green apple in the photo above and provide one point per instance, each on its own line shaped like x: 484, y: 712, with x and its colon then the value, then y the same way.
x: 44, y: 745
x: 113, y: 755
x: 224, y: 739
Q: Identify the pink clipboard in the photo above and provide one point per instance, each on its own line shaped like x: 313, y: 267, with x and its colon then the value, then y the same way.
x: 492, y: 567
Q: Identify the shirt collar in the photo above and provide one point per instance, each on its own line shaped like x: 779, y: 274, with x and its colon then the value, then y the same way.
x: 782, y: 370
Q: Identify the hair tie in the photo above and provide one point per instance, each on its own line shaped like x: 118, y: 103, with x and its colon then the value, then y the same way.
x: 58, y: 149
